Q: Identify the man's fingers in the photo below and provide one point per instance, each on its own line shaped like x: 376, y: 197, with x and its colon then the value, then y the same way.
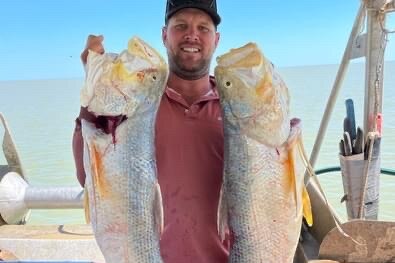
x: 84, y: 56
x: 94, y: 43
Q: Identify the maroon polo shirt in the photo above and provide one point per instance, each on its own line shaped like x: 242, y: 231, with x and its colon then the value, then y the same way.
x: 189, y: 155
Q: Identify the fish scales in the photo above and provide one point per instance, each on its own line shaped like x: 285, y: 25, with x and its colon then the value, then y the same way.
x: 261, y: 199
x: 124, y: 197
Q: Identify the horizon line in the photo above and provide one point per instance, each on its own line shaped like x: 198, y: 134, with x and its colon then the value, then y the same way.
x: 278, y: 67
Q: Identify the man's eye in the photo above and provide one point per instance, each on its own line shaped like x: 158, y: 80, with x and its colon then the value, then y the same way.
x: 180, y: 26
x: 204, y: 29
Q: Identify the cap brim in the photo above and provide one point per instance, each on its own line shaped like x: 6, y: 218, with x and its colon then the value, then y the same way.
x: 214, y: 16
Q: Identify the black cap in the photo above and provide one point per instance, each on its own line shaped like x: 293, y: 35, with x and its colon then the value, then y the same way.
x: 208, y: 6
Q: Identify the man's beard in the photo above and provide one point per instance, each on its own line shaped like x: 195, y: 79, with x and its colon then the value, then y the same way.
x: 190, y: 72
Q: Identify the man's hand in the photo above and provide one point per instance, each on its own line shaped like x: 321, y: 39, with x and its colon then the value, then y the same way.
x: 94, y: 43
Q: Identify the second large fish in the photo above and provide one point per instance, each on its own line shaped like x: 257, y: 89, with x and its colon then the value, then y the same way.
x: 263, y: 189
x: 124, y: 196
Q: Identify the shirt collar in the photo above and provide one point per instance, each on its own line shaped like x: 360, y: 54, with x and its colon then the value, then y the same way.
x: 212, y: 94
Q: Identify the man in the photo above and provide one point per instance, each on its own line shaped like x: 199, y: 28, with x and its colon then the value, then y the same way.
x: 189, y: 135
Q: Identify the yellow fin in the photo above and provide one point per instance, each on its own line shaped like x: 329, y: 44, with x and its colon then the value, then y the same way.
x: 297, y: 169
x: 292, y: 178
x: 98, y: 173
x: 86, y: 206
x: 307, y: 212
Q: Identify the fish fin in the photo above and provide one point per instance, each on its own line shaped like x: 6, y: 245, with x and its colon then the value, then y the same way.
x: 222, y: 216
x: 307, y: 212
x: 292, y: 180
x: 86, y: 206
x: 158, y: 210
x: 297, y: 169
x: 298, y: 145
x: 98, y: 172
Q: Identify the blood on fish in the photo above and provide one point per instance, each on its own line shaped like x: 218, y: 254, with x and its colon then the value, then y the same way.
x: 109, y: 124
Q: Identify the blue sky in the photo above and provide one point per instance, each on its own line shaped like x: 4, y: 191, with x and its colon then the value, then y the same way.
x: 42, y: 39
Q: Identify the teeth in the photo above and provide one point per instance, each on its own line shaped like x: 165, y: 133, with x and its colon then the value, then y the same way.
x: 190, y: 49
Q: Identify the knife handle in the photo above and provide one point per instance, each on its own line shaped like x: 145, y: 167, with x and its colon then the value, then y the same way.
x: 358, y: 145
x: 341, y: 147
x: 347, y: 144
x: 351, y: 117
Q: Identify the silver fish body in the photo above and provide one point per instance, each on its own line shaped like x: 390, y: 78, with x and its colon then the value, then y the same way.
x: 263, y: 178
x: 121, y: 177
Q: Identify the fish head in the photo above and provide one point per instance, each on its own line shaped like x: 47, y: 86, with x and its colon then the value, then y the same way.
x: 125, y: 84
x: 253, y: 95
x: 147, y: 74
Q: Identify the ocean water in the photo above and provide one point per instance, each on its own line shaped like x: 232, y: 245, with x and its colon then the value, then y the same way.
x: 41, y: 116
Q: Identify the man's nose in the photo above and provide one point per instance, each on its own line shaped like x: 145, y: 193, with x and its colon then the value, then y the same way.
x: 192, y: 35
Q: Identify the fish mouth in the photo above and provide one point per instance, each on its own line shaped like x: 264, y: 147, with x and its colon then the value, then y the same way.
x: 247, y: 56
x: 140, y: 49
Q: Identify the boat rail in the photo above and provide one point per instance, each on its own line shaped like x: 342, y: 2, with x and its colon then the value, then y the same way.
x: 330, y: 169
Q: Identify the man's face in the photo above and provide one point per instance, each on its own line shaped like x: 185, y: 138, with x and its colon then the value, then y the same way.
x: 190, y: 38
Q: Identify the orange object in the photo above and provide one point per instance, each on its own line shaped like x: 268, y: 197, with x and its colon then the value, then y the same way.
x: 379, y: 123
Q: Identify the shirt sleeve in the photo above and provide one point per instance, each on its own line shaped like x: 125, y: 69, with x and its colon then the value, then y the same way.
x: 78, y: 143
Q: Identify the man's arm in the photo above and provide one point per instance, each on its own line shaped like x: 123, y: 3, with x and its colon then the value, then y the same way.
x: 78, y: 143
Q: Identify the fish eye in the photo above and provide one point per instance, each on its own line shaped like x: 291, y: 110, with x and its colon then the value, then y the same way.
x: 228, y: 84
x: 154, y: 77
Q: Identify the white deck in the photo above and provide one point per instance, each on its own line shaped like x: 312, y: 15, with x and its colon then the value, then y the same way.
x: 49, y: 242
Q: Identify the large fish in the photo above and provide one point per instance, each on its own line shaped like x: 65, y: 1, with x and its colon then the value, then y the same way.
x: 263, y: 189
x: 124, y: 196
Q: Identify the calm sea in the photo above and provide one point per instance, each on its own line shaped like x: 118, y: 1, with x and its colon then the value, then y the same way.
x: 41, y: 116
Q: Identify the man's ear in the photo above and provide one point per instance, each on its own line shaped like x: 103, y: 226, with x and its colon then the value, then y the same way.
x: 217, y: 37
x: 164, y: 35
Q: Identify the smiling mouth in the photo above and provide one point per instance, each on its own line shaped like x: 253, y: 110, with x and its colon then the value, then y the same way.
x: 190, y: 49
